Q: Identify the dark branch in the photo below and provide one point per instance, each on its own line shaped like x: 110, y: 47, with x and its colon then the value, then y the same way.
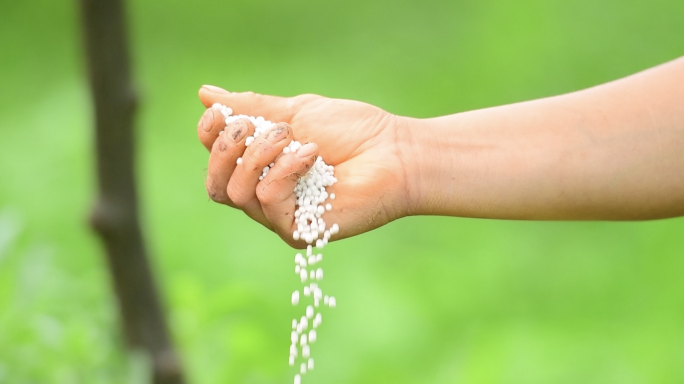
x: 115, y: 216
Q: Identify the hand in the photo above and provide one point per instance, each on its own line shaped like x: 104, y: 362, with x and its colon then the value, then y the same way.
x: 358, y: 139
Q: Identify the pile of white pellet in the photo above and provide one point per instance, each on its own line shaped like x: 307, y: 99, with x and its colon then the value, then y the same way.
x: 311, y: 227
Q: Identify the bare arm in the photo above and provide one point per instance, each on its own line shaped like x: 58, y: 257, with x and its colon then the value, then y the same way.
x: 612, y: 152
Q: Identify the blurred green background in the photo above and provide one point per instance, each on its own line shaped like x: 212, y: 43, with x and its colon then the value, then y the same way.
x: 422, y: 300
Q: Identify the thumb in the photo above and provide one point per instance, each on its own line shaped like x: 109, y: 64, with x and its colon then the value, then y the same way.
x: 274, y: 108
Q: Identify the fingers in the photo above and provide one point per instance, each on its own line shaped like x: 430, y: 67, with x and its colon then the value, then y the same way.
x: 272, y: 108
x: 276, y: 191
x: 222, y: 161
x: 262, y: 152
x: 209, y: 127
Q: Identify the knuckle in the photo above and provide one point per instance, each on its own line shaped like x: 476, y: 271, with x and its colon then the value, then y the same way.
x: 253, y: 96
x: 306, y: 97
x: 292, y: 103
x: 264, y: 194
x: 251, y: 159
x: 215, y: 194
x: 237, y: 195
x: 212, y: 195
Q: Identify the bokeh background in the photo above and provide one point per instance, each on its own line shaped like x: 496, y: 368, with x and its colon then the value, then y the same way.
x: 422, y: 300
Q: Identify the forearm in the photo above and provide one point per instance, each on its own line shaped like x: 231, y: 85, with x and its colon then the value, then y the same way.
x: 613, y: 152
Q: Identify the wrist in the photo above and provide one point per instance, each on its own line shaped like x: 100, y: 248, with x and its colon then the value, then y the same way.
x: 439, y: 159
x: 420, y: 161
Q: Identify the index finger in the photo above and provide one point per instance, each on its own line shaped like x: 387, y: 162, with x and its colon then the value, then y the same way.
x: 210, y: 125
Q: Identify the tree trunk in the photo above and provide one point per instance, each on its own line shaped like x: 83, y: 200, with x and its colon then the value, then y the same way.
x: 115, y: 215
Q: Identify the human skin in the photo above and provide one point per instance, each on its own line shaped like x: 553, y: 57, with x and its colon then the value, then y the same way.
x: 611, y: 152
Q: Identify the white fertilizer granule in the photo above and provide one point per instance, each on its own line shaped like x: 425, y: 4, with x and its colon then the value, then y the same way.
x: 311, y: 195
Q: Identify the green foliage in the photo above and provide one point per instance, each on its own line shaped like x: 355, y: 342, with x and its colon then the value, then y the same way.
x: 425, y: 299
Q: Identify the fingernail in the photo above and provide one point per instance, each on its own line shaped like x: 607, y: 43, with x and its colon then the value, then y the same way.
x: 307, y: 150
x: 238, y: 130
x: 278, y: 132
x: 214, y: 89
x: 207, y: 120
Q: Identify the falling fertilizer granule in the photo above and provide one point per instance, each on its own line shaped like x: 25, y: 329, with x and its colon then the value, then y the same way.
x: 311, y: 205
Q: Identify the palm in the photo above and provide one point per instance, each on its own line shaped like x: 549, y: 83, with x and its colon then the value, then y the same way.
x: 359, y: 140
